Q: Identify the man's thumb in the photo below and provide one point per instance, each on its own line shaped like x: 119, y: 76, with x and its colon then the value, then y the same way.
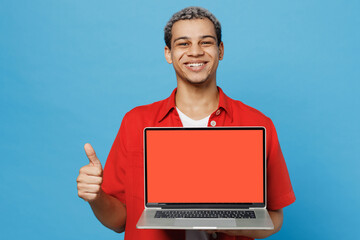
x: 90, y: 153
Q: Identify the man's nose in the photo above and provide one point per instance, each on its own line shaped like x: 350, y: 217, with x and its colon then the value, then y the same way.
x: 195, y: 50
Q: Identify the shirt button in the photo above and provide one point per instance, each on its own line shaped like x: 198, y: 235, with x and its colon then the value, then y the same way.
x: 218, y: 112
x: 214, y: 235
x: 213, y: 123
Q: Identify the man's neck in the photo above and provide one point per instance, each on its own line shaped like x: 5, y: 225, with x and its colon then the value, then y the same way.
x: 197, y: 101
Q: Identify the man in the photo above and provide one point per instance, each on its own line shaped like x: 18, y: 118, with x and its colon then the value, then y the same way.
x: 116, y: 196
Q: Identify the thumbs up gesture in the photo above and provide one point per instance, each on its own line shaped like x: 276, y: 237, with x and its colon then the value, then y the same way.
x: 90, y: 176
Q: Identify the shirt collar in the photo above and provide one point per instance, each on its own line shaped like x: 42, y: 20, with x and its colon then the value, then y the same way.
x: 225, y: 103
x: 169, y: 105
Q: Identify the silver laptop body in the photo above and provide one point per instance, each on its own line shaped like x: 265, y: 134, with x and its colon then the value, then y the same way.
x: 158, y: 185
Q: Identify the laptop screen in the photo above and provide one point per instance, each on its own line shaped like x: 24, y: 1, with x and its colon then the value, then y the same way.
x: 205, y: 165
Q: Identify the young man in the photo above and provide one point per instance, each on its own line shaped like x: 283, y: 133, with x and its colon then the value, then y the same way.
x: 116, y: 195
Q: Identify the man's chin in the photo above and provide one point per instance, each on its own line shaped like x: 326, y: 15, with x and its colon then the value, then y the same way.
x: 197, y: 82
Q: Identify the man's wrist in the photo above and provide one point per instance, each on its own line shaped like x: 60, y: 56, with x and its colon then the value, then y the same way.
x: 99, y: 200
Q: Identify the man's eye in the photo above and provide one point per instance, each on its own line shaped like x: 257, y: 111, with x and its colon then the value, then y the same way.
x: 206, y: 43
x: 183, y: 44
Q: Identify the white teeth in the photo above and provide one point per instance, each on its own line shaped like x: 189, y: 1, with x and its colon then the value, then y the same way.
x: 195, y: 64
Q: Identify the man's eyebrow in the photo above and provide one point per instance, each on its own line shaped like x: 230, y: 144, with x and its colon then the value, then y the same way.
x: 208, y: 36
x: 180, y: 38
x: 202, y: 37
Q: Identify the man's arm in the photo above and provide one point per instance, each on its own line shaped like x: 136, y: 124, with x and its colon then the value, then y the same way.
x: 276, y: 217
x: 109, y: 210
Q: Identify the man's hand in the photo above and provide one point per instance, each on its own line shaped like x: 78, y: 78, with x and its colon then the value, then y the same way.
x: 90, y: 176
x: 108, y: 209
x: 277, y: 218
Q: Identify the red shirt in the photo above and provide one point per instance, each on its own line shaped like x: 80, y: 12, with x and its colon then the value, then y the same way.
x: 123, y: 175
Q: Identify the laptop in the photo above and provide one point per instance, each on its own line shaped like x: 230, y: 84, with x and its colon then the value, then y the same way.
x: 205, y: 178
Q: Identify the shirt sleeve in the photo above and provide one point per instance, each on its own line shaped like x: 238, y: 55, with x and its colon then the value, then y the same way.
x: 279, y: 190
x: 114, y: 170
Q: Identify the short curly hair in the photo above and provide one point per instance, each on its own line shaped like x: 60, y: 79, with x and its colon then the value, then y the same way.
x: 188, y: 14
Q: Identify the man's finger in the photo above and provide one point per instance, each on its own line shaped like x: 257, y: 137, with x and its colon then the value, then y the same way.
x: 89, y: 188
x: 87, y: 196
x: 90, y: 170
x: 92, y: 155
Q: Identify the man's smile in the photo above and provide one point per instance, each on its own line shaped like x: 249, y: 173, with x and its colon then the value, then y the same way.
x: 195, y: 66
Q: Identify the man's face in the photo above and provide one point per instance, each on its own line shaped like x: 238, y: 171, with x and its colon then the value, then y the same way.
x: 194, y: 51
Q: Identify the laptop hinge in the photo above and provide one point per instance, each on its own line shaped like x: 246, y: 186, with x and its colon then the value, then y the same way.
x: 197, y: 207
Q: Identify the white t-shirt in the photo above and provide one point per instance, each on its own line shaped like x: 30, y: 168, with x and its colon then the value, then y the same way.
x: 188, y: 122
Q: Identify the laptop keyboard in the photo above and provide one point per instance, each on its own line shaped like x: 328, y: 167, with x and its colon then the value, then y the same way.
x: 205, y: 214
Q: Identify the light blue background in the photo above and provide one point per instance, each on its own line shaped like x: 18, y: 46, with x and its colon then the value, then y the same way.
x: 70, y: 70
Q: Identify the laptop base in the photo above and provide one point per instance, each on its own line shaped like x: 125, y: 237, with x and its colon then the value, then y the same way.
x: 261, y: 222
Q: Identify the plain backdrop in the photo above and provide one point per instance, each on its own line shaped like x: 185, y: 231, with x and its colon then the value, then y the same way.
x: 70, y: 70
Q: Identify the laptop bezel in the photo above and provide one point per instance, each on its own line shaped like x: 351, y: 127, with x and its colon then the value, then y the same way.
x: 206, y: 205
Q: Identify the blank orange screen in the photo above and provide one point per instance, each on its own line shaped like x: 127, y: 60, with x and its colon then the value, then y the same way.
x: 205, y: 166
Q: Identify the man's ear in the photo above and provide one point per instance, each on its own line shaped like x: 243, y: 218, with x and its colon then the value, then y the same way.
x: 167, y: 52
x: 221, y: 51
